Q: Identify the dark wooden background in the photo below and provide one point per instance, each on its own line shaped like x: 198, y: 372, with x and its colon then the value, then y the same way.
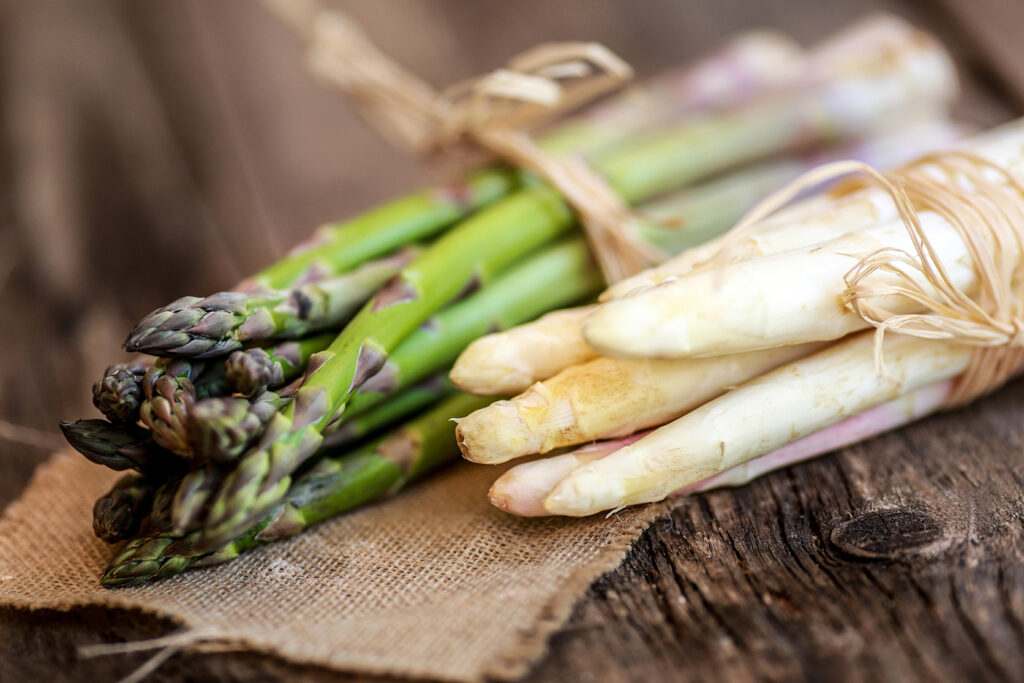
x: 150, y: 149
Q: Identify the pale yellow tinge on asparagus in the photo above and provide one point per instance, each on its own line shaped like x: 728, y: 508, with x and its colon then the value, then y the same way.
x: 506, y: 363
x: 606, y: 398
x: 756, y: 418
x: 787, y: 298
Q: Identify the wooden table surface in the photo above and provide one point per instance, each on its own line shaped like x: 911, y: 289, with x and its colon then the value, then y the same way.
x: 151, y: 149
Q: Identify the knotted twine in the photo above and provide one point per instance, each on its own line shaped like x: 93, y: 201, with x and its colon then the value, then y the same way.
x: 984, y: 203
x: 493, y: 113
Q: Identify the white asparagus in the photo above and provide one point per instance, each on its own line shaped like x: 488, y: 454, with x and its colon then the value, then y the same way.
x: 786, y: 298
x: 506, y: 363
x: 860, y: 427
x: 523, y: 489
x: 789, y: 298
x: 762, y: 415
x: 811, y: 221
x: 606, y: 398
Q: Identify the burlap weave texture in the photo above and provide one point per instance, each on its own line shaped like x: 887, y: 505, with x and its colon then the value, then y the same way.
x: 433, y: 583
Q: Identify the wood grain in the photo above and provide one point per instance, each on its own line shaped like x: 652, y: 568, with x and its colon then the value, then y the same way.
x: 153, y: 149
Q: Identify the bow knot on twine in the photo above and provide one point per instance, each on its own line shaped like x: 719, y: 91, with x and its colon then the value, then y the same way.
x: 493, y: 113
x: 912, y: 292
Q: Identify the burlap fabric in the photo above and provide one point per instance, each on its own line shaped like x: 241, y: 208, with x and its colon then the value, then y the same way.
x: 433, y: 583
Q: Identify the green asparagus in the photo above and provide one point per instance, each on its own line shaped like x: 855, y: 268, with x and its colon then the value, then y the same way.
x: 118, y: 394
x: 253, y: 371
x: 397, y: 407
x: 335, y: 484
x: 217, y: 325
x: 118, y: 514
x: 557, y: 276
x: 221, y: 428
x: 120, y: 447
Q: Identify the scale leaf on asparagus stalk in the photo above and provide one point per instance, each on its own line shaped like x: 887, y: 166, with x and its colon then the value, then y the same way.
x: 253, y: 371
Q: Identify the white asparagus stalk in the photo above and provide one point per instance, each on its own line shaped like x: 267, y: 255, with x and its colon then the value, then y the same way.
x: 757, y: 418
x: 862, y: 426
x: 789, y: 298
x: 811, y: 221
x: 523, y: 489
x: 606, y: 398
x: 506, y: 363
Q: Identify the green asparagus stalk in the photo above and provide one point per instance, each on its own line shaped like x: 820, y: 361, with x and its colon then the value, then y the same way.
x: 119, y: 513
x: 397, y: 407
x: 252, y: 371
x: 118, y: 394
x: 120, y: 447
x: 339, y: 247
x: 222, y: 428
x: 191, y: 497
x: 555, y: 277
x: 217, y: 325
x: 336, y: 484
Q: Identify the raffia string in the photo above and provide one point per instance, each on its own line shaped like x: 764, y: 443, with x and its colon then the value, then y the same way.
x: 493, y: 112
x: 984, y: 203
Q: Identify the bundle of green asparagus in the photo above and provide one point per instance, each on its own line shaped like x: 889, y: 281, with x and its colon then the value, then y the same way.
x: 754, y: 353
x: 320, y: 383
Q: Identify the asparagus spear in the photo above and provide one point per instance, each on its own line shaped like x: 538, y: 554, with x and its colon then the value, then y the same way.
x: 398, y: 406
x: 119, y: 513
x: 606, y: 398
x: 204, y: 328
x: 221, y: 428
x: 120, y: 447
x: 171, y: 388
x: 253, y: 371
x: 118, y: 394
x: 806, y: 396
x: 336, y: 484
x: 191, y: 498
x: 337, y: 248
x: 507, y: 363
x: 558, y: 275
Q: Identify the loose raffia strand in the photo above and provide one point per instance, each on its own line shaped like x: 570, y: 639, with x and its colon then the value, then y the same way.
x: 984, y: 203
x: 492, y: 112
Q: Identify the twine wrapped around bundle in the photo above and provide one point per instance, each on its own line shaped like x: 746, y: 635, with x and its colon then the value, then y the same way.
x: 984, y: 203
x: 493, y: 113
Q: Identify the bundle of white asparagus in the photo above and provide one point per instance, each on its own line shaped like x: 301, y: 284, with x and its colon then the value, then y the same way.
x: 744, y: 355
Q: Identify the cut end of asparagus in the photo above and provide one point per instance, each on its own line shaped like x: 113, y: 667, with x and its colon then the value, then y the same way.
x: 191, y: 327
